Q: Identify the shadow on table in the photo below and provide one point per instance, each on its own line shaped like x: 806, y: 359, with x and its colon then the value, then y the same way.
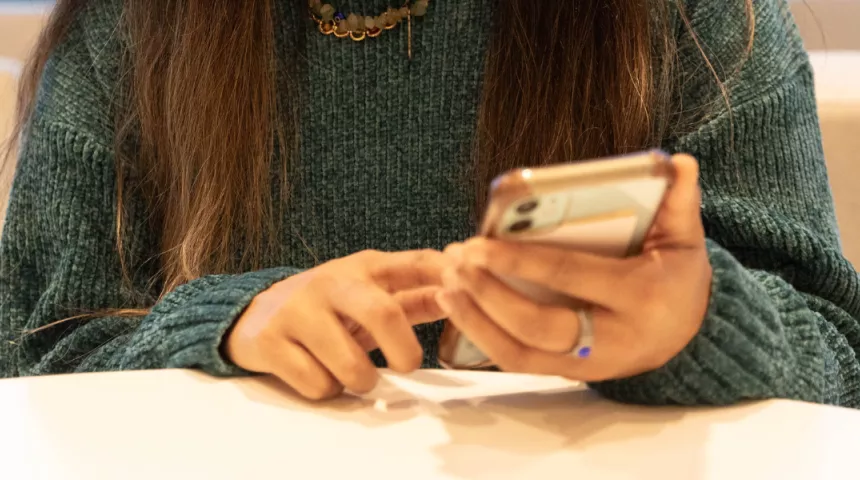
x: 540, y: 426
x: 400, y: 405
x: 497, y: 437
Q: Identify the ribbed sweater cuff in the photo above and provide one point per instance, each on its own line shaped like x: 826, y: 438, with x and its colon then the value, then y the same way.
x: 203, y: 311
x: 741, y: 351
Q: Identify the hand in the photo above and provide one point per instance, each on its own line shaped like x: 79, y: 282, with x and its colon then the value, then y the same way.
x: 314, y: 329
x: 645, y: 308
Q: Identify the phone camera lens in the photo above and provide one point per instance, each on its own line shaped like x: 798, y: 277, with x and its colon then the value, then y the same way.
x: 520, y: 226
x: 527, y: 207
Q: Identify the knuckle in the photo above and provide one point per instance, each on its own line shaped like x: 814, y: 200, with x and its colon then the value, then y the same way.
x: 411, y: 361
x: 477, y: 284
x: 310, y: 382
x: 513, y: 359
x: 313, y: 392
x: 430, y: 263
x: 303, y: 371
x: 420, y: 255
x: 323, y: 280
x: 429, y: 304
x: 560, y: 266
x: 428, y: 255
x: 269, y: 341
x: 336, y: 389
x: 322, y: 390
x: 322, y: 387
x: 269, y: 335
x: 385, y: 313
x: 370, y: 255
x: 357, y: 376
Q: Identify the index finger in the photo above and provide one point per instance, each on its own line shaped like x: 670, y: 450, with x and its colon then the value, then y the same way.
x: 585, y: 276
x: 408, y: 270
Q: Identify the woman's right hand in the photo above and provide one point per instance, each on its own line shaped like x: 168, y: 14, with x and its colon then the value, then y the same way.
x: 314, y: 329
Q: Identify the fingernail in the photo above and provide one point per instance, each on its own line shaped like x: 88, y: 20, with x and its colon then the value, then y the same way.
x: 444, y: 301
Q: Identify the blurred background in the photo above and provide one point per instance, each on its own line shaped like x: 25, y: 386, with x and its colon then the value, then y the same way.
x: 829, y: 29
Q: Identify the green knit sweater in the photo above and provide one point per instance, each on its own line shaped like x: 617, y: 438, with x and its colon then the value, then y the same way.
x: 384, y: 174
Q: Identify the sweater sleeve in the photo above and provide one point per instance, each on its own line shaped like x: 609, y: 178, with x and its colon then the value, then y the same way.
x: 785, y: 303
x: 58, y: 254
x: 58, y: 261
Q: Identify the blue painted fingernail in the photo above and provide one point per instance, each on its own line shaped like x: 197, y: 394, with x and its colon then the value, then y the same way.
x: 584, y: 352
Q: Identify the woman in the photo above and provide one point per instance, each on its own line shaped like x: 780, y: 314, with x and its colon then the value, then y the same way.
x: 264, y: 186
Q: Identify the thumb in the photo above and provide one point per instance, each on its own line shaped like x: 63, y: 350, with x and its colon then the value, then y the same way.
x: 679, y: 220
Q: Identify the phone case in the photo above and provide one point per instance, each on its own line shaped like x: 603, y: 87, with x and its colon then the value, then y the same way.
x: 602, y: 206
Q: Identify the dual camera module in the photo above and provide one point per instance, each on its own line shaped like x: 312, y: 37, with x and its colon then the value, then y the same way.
x: 524, y: 224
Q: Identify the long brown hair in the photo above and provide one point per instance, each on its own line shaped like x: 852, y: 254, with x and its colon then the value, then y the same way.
x: 563, y: 81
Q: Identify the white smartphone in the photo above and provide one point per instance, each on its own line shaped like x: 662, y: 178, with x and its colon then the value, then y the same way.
x: 604, y: 206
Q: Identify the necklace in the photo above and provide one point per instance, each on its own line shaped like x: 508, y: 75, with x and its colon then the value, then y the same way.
x: 358, y: 27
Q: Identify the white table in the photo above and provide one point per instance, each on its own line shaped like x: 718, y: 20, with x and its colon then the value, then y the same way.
x: 181, y: 424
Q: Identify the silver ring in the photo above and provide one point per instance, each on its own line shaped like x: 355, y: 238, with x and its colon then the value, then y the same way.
x: 584, y: 343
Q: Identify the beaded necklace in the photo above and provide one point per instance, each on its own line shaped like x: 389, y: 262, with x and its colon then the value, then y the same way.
x: 358, y: 27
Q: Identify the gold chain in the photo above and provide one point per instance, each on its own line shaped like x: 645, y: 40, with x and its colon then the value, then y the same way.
x: 359, y: 27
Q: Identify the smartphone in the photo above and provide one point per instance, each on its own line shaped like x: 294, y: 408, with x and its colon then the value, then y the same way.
x: 604, y: 206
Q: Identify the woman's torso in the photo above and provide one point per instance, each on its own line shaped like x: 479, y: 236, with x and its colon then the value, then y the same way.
x: 386, y: 141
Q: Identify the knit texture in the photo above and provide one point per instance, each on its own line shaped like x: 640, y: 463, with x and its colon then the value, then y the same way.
x: 385, y: 143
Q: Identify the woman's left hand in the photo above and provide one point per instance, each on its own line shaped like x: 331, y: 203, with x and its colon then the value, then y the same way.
x: 645, y: 309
